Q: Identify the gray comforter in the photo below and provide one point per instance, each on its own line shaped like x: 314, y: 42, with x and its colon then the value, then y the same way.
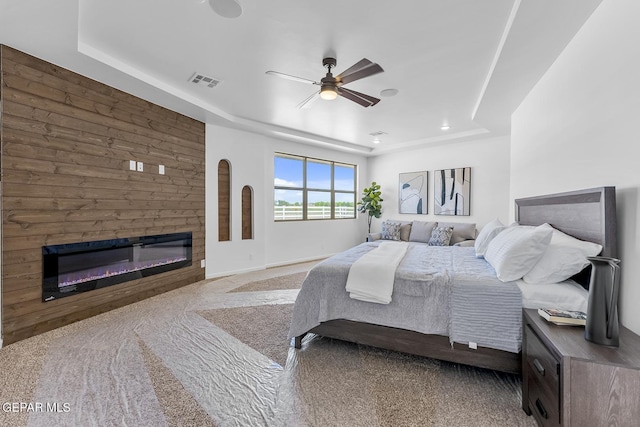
x: 437, y: 290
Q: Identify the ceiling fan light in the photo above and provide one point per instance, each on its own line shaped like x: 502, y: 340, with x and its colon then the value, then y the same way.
x: 328, y: 93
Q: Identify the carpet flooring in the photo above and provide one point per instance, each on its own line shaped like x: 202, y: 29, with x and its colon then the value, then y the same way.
x: 241, y: 322
x: 211, y: 354
x: 289, y: 281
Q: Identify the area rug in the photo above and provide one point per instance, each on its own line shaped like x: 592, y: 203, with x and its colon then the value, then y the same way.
x: 263, y: 328
x: 290, y: 281
x: 405, y: 390
x: 178, y: 406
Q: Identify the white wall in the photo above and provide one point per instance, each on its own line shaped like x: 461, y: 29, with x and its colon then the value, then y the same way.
x: 578, y: 128
x: 489, y: 162
x: 274, y: 243
x: 246, y: 154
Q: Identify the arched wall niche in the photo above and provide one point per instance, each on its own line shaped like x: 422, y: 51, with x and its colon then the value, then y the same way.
x: 224, y: 200
x: 247, y: 212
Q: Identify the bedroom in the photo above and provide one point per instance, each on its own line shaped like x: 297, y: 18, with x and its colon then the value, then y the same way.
x: 574, y: 130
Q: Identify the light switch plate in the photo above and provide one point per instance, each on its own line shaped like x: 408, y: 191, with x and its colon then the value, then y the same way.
x: 140, y: 167
x: 132, y: 165
x: 203, y: 263
x: 161, y: 169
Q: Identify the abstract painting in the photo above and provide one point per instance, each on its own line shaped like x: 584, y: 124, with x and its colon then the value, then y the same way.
x: 452, y: 190
x: 413, y: 193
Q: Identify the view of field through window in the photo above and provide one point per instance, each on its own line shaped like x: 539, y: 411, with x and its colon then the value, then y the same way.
x: 307, y: 189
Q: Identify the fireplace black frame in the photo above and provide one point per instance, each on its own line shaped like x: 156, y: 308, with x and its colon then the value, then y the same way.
x: 50, y: 262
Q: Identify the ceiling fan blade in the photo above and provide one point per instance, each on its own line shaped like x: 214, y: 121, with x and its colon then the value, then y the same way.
x: 372, y: 99
x: 364, y: 62
x: 290, y: 77
x: 309, y: 101
x: 367, y: 71
x: 357, y: 97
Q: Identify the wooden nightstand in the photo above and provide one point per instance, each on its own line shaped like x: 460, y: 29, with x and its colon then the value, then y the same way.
x: 569, y: 381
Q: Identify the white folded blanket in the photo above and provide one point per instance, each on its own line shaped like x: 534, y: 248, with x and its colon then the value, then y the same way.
x: 371, y: 277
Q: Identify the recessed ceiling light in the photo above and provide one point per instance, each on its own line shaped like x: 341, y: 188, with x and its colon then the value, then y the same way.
x: 376, y: 136
x: 388, y: 92
x: 445, y: 127
x: 226, y: 8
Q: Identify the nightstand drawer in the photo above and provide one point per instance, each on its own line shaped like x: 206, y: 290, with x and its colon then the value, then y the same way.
x: 542, y: 403
x: 541, y: 362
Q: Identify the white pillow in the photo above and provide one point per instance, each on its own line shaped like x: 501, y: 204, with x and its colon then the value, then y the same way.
x: 564, y: 257
x: 486, y: 235
x: 567, y: 295
x: 515, y: 251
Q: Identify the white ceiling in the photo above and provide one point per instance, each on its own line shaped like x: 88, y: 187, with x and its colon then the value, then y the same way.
x: 467, y: 63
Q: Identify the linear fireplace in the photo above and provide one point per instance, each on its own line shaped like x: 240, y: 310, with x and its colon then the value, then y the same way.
x: 73, y: 268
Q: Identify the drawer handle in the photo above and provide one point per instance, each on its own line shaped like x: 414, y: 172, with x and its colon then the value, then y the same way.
x: 541, y: 409
x: 538, y: 366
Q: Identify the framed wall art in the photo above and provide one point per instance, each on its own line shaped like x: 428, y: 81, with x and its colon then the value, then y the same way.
x: 452, y: 188
x: 413, y: 193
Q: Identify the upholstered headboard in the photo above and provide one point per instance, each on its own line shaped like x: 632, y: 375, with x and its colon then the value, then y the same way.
x: 585, y: 214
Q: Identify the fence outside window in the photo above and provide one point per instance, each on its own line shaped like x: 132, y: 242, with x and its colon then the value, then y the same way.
x: 284, y: 213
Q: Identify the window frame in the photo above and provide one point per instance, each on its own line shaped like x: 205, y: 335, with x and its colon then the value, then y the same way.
x: 305, y: 189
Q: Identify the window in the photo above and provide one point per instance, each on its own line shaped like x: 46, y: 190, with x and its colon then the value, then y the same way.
x: 310, y: 189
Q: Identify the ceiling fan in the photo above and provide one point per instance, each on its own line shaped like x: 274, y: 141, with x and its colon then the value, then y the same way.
x: 331, y: 87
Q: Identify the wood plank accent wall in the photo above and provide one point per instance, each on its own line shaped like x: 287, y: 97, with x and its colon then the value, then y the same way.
x: 66, y: 142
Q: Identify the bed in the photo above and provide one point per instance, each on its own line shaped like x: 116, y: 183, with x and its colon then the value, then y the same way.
x: 588, y: 215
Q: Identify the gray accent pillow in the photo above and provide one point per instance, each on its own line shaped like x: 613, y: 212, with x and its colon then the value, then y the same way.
x: 405, y: 231
x: 461, y: 231
x: 441, y: 236
x: 421, y: 231
x: 390, y: 230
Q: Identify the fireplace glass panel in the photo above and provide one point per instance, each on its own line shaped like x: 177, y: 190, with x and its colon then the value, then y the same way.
x: 79, y: 267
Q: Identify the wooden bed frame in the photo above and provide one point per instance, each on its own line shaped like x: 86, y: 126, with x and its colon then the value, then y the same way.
x: 585, y: 214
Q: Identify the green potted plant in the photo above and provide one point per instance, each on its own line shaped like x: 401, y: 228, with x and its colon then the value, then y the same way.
x: 371, y: 203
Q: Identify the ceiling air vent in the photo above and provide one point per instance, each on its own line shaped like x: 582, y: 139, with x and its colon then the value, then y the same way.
x: 201, y: 79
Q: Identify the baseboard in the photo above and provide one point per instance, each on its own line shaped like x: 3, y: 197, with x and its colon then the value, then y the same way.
x: 234, y: 272
x: 264, y: 267
x: 298, y: 261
